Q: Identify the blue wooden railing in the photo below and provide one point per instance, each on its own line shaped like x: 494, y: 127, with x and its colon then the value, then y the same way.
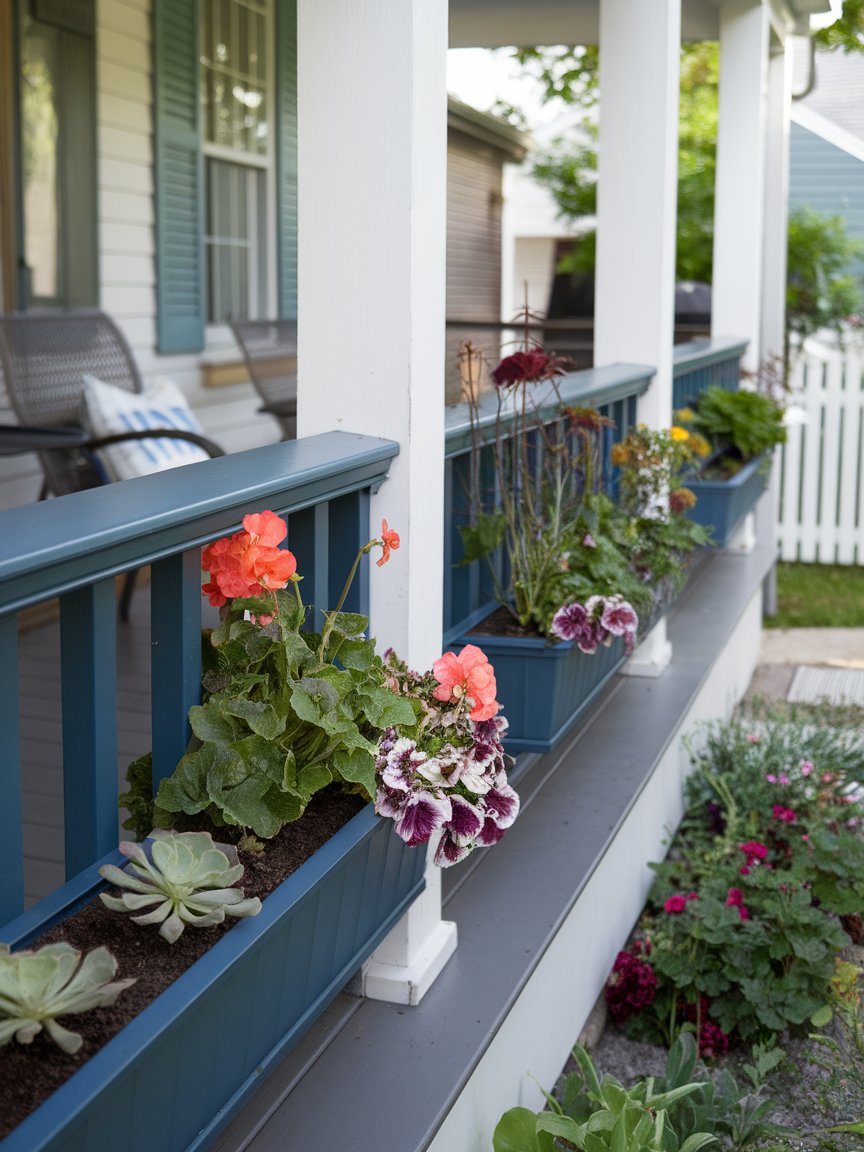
x: 468, y: 589
x: 704, y: 364
x: 74, y: 547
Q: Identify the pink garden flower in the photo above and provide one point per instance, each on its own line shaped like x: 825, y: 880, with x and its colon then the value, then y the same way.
x: 755, y: 852
x: 467, y: 676
x: 675, y: 904
x: 783, y: 814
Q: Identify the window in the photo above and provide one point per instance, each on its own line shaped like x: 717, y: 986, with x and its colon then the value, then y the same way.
x: 226, y: 244
x: 236, y: 92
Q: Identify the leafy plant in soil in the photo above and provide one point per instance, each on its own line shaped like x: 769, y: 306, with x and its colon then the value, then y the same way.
x: 28, y: 1075
x: 747, y: 912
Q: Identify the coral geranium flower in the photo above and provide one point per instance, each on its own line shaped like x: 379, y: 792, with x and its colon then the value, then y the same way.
x: 250, y: 561
x: 389, y: 540
x: 467, y: 676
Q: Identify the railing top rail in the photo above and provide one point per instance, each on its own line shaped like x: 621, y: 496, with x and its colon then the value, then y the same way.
x: 57, y: 545
x: 702, y: 353
x: 592, y: 387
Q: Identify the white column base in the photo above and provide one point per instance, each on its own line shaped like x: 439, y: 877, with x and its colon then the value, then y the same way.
x: 408, y: 984
x: 652, y: 656
x: 406, y: 963
x: 743, y: 539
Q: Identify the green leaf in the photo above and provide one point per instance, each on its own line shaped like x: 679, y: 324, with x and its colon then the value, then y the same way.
x: 313, y: 778
x: 857, y: 1127
x: 356, y: 766
x: 348, y: 625
x: 696, y: 1141
x: 822, y: 1016
x: 185, y: 790
x: 357, y: 654
x: 516, y: 1131
x: 297, y: 653
x: 384, y: 708
x: 245, y: 804
x: 261, y: 717
x: 312, y: 698
x: 561, y: 1126
x: 482, y: 538
x: 210, y: 724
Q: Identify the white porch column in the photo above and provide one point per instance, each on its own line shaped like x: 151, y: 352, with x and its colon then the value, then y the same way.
x: 372, y: 221
x: 739, y: 209
x: 774, y: 263
x: 634, y: 311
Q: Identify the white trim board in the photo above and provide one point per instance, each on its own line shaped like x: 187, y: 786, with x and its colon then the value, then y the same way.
x: 832, y: 133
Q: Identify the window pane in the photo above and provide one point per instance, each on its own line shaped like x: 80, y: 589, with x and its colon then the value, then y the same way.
x: 236, y: 101
x: 235, y: 242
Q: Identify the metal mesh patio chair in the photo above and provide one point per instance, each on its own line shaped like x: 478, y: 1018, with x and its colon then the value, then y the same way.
x: 269, y: 348
x: 44, y: 358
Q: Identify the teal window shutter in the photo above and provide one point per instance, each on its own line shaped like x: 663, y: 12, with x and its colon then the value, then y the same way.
x: 286, y: 160
x: 179, y: 238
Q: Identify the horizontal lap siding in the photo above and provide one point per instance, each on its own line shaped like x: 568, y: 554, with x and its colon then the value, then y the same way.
x: 127, y: 268
x: 473, y: 247
x: 827, y: 179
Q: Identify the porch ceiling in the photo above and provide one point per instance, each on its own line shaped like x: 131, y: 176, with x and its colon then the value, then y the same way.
x: 497, y: 23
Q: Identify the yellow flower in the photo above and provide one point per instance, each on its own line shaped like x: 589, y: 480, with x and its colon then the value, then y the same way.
x: 681, y: 435
x: 685, y: 415
x: 699, y: 446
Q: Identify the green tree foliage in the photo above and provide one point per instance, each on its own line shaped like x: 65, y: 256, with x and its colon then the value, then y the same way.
x: 820, y: 290
x: 565, y: 73
x: 846, y: 32
x: 569, y: 168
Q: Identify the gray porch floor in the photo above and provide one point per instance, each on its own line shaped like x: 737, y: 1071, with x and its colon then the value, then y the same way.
x: 41, y: 748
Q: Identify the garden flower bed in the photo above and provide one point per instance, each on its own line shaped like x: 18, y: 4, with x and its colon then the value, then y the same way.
x: 747, y: 956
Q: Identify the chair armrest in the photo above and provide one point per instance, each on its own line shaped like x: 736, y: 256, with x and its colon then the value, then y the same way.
x: 280, y: 408
x: 209, y: 446
x: 24, y: 438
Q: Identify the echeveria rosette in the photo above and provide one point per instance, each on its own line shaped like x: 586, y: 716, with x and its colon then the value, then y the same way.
x: 597, y: 622
x: 37, y: 987
x: 448, y: 777
x: 186, y: 880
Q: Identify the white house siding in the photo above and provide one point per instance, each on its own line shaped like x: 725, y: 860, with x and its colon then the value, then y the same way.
x: 473, y: 248
x: 127, y: 272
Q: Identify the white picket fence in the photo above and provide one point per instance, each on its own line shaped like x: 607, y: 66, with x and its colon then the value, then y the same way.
x: 821, y: 481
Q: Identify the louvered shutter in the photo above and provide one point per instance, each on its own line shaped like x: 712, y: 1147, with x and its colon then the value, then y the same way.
x: 179, y: 238
x: 286, y: 160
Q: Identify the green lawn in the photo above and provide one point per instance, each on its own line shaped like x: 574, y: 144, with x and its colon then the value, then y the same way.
x: 819, y: 596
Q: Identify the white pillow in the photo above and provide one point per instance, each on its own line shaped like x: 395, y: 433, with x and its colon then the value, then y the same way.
x: 108, y: 409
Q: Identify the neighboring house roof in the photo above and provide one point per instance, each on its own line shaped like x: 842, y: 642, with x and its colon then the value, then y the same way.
x: 488, y: 129
x: 829, y: 131
x: 838, y: 93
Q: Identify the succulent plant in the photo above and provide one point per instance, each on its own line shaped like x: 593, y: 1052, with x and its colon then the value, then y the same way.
x: 186, y: 876
x: 38, y: 986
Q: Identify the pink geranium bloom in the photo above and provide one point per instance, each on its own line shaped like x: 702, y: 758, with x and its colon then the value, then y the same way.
x: 468, y: 676
x: 675, y: 904
x: 265, y: 528
x: 755, y: 852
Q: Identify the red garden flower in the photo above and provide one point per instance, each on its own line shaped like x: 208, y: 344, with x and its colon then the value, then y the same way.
x: 250, y: 562
x: 525, y: 368
x: 675, y: 904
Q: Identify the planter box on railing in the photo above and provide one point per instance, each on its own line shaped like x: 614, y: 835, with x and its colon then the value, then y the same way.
x: 723, y: 504
x: 544, y: 687
x: 174, y: 1076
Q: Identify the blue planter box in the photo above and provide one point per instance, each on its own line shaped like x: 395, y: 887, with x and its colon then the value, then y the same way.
x: 177, y: 1073
x: 544, y: 688
x: 723, y: 504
